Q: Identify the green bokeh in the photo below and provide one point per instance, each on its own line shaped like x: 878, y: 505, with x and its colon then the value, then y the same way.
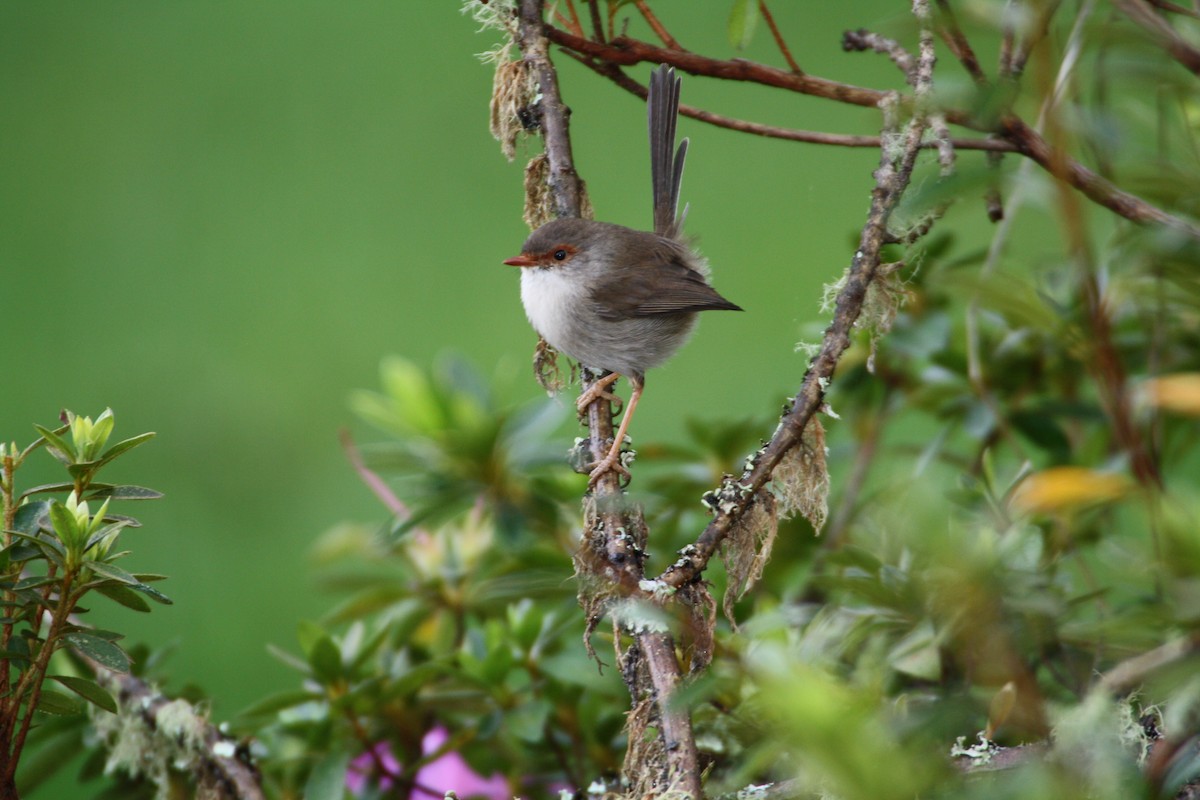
x: 217, y: 217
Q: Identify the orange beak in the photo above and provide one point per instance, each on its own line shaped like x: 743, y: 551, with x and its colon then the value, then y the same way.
x: 523, y: 260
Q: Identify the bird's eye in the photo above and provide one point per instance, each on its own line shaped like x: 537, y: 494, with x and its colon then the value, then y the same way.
x: 560, y: 255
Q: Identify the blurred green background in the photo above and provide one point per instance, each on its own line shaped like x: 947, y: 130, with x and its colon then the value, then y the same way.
x: 217, y: 217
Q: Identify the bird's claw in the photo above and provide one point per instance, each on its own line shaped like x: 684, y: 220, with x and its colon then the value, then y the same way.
x: 610, y: 463
x: 597, y: 391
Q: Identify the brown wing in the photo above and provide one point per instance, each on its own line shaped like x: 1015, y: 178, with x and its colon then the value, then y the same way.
x: 656, y: 278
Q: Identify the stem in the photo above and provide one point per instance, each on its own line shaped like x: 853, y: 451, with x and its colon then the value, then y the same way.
x: 33, y: 678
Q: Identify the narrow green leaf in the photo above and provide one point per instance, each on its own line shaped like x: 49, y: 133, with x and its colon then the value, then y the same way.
x: 124, y: 595
x: 124, y: 492
x: 58, y: 446
x: 327, y: 781
x: 102, y: 651
x: 123, y: 447
x: 34, y: 582
x: 102, y: 428
x: 95, y: 538
x: 88, y: 690
x: 110, y: 571
x: 58, y: 704
x: 48, y: 487
x: 154, y: 594
x: 743, y: 18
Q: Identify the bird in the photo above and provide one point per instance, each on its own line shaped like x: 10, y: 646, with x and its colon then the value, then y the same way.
x: 614, y: 298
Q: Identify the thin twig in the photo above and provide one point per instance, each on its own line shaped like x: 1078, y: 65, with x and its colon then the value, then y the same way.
x: 597, y: 22
x: 625, y: 51
x: 618, y: 77
x: 956, y: 40
x: 375, y: 483
x: 779, y: 41
x: 659, y: 30
x: 1142, y: 13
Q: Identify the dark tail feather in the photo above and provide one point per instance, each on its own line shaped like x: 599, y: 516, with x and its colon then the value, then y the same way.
x: 666, y: 169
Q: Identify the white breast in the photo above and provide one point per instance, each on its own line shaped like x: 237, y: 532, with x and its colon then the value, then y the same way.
x: 549, y: 300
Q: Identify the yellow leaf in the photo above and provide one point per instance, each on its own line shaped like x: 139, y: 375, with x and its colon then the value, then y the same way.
x: 1065, y: 488
x: 1179, y: 393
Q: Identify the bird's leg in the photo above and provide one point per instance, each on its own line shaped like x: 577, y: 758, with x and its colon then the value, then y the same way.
x: 612, y: 461
x: 597, y: 390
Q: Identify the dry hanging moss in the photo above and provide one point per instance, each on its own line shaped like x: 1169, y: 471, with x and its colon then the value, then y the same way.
x: 801, y: 481
x: 747, y: 549
x: 513, y: 107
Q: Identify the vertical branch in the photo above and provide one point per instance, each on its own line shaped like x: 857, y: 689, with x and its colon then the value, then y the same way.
x: 615, y: 529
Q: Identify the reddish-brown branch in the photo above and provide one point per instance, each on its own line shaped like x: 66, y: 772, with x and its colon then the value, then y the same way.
x: 655, y: 25
x: 956, y: 40
x: 779, y: 40
x: 1026, y: 141
x: 1142, y: 13
x: 618, y: 77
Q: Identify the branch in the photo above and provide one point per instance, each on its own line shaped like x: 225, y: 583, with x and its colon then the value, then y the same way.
x: 614, y: 74
x: 892, y: 179
x: 625, y: 51
x: 657, y: 26
x: 219, y: 763
x: 956, y: 40
x: 1142, y: 13
x: 615, y: 528
x: 779, y: 42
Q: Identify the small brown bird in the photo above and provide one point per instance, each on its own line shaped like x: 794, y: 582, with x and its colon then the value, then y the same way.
x: 618, y: 299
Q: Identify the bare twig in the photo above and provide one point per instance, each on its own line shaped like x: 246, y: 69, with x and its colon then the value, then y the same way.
x: 624, y: 51
x: 375, y: 483
x: 863, y: 39
x: 597, y: 22
x: 779, y: 40
x: 956, y: 40
x: 1142, y: 13
x: 618, y: 77
x: 655, y: 25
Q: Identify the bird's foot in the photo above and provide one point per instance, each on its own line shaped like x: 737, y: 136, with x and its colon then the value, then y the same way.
x: 597, y: 391
x: 610, y: 463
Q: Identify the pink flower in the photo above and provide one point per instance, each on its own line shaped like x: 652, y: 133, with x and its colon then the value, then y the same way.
x: 447, y: 772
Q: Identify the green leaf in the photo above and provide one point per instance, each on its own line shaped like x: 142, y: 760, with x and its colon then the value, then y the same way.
x: 97, y: 536
x: 123, y: 446
x: 34, y: 582
x: 58, y: 704
x: 65, y: 524
x: 154, y: 594
x: 110, y: 571
x: 59, y: 447
x: 327, y: 781
x: 124, y: 595
x: 124, y: 492
x: 31, y: 516
x: 743, y: 18
x: 100, y: 650
x: 88, y: 690
x: 48, y: 487
x: 325, y: 660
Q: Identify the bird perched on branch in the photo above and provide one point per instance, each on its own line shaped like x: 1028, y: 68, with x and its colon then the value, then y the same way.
x: 618, y: 299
